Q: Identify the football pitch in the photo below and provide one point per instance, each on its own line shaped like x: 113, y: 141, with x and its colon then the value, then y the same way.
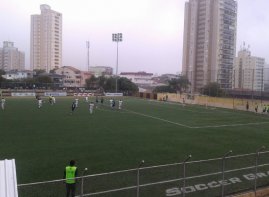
x: 43, y: 141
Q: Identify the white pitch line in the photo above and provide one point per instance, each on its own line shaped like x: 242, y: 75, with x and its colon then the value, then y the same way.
x: 112, y: 110
x: 230, y: 125
x: 161, y: 119
x: 197, y: 127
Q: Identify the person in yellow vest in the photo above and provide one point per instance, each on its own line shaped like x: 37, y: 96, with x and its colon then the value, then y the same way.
x: 70, y: 173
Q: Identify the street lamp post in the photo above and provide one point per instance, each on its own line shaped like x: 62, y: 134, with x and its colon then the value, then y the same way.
x: 117, y: 37
x: 88, y: 54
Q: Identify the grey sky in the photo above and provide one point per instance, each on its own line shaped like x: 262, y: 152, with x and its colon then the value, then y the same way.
x: 152, y: 31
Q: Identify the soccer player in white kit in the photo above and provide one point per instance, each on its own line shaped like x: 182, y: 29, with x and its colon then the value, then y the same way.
x: 3, y: 101
x: 91, y: 106
x: 86, y: 99
x: 76, y: 102
x: 111, y: 102
x: 39, y: 102
x: 120, y: 103
x: 53, y: 99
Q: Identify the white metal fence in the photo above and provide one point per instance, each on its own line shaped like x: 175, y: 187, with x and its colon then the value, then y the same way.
x: 213, y: 177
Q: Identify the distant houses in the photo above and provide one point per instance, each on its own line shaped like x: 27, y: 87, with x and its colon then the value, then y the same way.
x: 71, y: 77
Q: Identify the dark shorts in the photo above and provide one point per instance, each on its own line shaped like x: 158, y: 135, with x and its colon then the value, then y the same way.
x: 70, y: 189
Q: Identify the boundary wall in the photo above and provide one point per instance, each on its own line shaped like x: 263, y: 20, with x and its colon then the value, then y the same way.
x: 229, y: 103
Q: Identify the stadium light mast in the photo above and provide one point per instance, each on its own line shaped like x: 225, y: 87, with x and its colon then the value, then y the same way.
x: 117, y: 37
x: 88, y: 54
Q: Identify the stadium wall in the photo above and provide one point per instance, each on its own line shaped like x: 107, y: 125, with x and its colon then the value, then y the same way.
x: 147, y: 95
x: 229, y: 103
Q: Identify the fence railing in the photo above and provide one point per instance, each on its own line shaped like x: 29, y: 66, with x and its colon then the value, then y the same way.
x: 221, y: 176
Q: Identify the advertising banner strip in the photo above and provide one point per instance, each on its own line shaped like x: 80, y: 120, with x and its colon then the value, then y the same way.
x: 113, y: 94
x: 23, y: 94
x: 55, y: 94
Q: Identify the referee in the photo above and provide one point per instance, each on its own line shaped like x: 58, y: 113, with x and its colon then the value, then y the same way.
x: 70, y: 173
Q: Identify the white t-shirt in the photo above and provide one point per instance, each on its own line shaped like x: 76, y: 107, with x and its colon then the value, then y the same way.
x: 91, y: 106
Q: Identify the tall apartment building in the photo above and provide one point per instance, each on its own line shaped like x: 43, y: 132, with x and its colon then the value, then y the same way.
x: 209, y: 44
x: 46, y: 39
x: 11, y: 58
x: 266, y: 77
x: 249, y: 71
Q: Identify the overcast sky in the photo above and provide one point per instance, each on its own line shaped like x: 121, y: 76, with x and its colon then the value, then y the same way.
x: 152, y: 31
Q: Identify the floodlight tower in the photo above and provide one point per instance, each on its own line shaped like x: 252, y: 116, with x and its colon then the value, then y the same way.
x: 88, y: 54
x: 117, y: 37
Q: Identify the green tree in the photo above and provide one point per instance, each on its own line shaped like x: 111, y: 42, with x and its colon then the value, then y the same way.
x: 53, y: 71
x: 110, y: 84
x: 212, y: 89
x: 39, y: 71
x: 184, y: 83
x: 126, y: 86
x: 2, y: 79
x: 2, y: 72
x: 164, y: 88
x: 43, y: 79
x: 179, y: 85
x: 101, y: 81
x: 92, y: 82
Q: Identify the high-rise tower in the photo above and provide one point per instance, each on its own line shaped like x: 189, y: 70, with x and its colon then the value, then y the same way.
x: 209, y: 44
x: 11, y: 58
x: 46, y: 39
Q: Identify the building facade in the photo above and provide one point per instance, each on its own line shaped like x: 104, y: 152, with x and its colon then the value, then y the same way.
x: 46, y: 39
x: 209, y: 43
x: 73, y: 77
x: 98, y: 71
x: 11, y: 58
x: 249, y: 71
x: 266, y: 77
x: 139, y: 78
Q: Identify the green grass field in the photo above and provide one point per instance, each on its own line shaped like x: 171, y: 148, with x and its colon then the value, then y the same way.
x: 42, y: 141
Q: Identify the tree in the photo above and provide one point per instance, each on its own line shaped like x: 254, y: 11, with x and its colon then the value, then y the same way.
x: 53, y: 71
x: 127, y: 86
x: 179, y: 85
x: 183, y: 83
x: 101, y: 81
x: 2, y: 79
x: 91, y: 83
x: 212, y: 89
x: 2, y: 72
x: 39, y: 71
x: 159, y: 89
x: 43, y: 79
x: 109, y: 84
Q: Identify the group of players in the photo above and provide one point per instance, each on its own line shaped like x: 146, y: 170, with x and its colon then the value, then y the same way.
x: 91, y: 104
x: 52, y: 100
